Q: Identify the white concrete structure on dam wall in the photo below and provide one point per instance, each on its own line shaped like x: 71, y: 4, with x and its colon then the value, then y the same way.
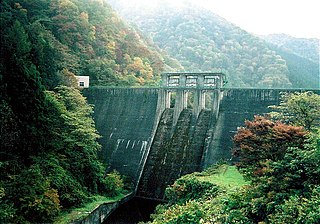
x: 83, y: 81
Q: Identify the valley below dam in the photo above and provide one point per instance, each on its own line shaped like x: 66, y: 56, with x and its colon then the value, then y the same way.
x: 134, y: 211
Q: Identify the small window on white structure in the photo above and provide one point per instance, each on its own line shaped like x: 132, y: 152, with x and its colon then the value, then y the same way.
x: 83, y: 81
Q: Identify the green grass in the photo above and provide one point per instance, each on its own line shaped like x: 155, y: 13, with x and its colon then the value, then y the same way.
x: 224, y: 176
x: 82, y: 212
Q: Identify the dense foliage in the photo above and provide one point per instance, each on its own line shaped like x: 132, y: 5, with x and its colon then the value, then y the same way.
x: 279, y: 160
x: 302, y: 57
x: 188, y: 188
x: 202, y: 41
x: 48, y: 140
x: 300, y: 109
x: 305, y: 48
x: 303, y: 72
x: 186, y: 199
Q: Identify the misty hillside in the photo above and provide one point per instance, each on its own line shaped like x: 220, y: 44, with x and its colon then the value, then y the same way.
x: 201, y: 41
x: 302, y: 57
x: 303, y: 47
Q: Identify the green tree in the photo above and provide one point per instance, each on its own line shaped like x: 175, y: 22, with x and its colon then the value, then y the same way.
x: 78, y: 136
x: 34, y: 198
x: 280, y: 179
x: 23, y: 89
x: 301, y: 109
x: 189, y: 188
x: 45, y: 54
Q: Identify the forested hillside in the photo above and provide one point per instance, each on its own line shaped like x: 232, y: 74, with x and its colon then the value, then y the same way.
x: 302, y: 57
x: 93, y: 40
x: 303, y: 47
x: 303, y: 73
x: 48, y: 139
x: 201, y: 41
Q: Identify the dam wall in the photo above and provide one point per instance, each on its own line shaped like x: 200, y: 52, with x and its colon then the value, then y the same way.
x: 236, y: 106
x: 176, y: 153
x: 125, y: 118
x: 142, y: 140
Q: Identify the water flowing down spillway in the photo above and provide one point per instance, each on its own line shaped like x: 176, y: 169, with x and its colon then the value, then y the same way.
x: 176, y: 150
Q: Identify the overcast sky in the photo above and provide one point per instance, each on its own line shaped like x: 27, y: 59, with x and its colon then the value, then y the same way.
x: 298, y: 18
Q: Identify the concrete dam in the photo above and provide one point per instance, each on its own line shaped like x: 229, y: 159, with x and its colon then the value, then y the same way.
x: 155, y: 135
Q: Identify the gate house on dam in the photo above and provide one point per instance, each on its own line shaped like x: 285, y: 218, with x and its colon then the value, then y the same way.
x: 155, y: 135
x: 202, y: 89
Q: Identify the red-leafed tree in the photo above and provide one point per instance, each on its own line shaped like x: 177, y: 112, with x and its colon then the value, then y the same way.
x: 262, y: 141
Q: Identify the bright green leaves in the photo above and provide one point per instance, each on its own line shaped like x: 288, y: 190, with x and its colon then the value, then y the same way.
x: 301, y: 109
x: 282, y: 160
x: 78, y: 135
x: 113, y: 184
x: 189, y: 188
x: 77, y: 120
x: 298, y: 209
